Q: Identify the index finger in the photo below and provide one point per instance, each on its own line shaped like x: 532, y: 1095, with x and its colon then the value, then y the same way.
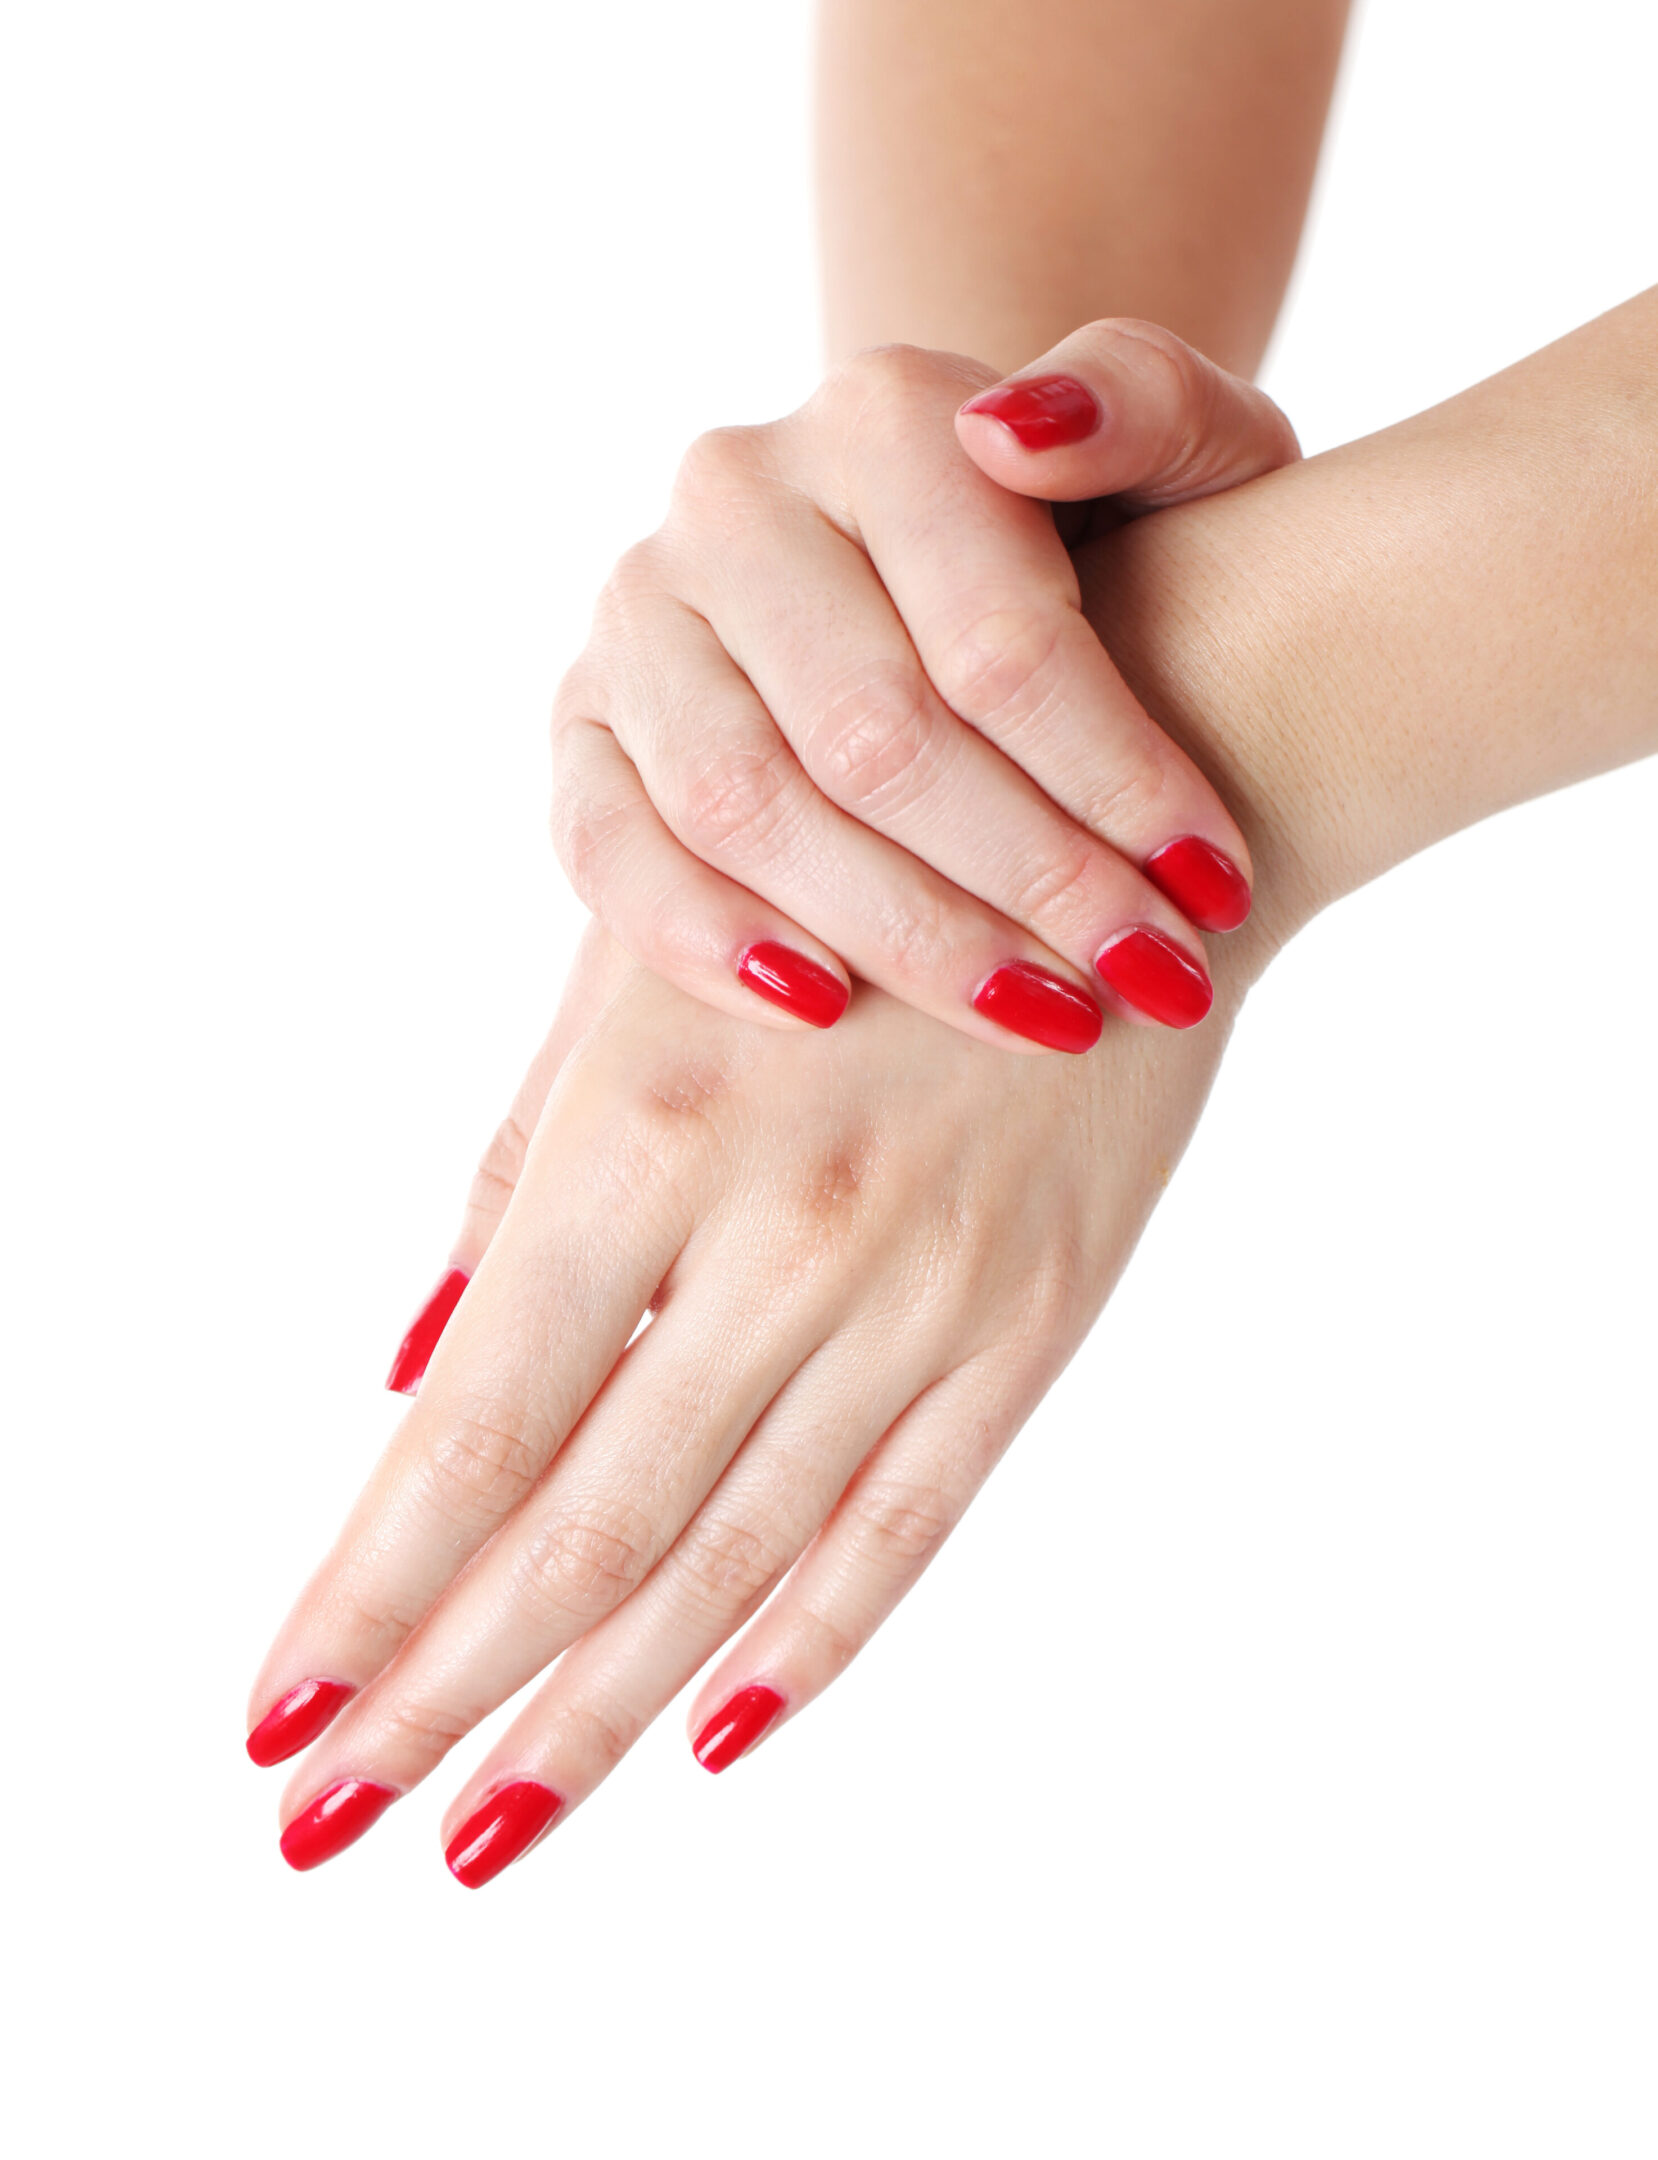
x: 603, y: 1208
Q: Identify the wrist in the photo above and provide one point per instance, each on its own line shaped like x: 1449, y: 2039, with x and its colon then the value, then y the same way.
x: 1369, y: 651
x: 1222, y: 628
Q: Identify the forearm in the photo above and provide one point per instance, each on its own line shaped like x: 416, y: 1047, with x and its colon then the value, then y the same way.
x: 1385, y: 644
x: 991, y: 176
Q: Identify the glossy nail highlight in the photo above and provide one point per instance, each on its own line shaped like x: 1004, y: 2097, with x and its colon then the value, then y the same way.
x: 788, y: 979
x: 501, y: 1831
x: 734, y: 1729
x: 1028, y: 1001
x: 1153, y: 975
x: 414, y: 1352
x: 295, y: 1721
x: 1208, y: 887
x: 335, y: 1819
x: 1044, y: 412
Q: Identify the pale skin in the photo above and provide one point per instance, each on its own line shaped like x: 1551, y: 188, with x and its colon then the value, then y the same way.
x: 842, y: 711
x: 870, y: 1251
x: 845, y: 705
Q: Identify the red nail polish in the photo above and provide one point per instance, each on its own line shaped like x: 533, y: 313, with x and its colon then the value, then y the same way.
x: 798, y: 985
x: 733, y: 1730
x: 1045, y: 412
x: 495, y: 1835
x: 1206, y: 886
x: 1031, y: 1002
x: 333, y: 1820
x: 1156, y: 978
x: 414, y: 1352
x: 295, y: 1721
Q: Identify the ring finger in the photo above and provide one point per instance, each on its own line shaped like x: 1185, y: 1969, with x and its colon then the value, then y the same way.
x: 758, y: 1520
x: 656, y: 1438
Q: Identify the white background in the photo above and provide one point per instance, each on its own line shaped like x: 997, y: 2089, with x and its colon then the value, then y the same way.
x: 1269, y: 1766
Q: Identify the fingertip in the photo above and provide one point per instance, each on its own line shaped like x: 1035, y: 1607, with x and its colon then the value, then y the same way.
x: 1154, y: 978
x: 296, y: 1719
x: 1040, y: 412
x: 793, y: 983
x: 507, y: 1824
x: 414, y: 1352
x: 740, y: 1723
x: 1206, y: 885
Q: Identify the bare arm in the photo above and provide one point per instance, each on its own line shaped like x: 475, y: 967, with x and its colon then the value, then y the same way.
x: 991, y: 174
x: 1373, y: 649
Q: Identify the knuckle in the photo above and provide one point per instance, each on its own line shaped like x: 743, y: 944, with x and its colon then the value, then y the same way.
x: 725, y: 463
x: 585, y: 1565
x: 635, y: 583
x: 573, y: 700
x: 1037, y: 890
x: 1052, y: 1292
x: 500, y: 1167
x: 900, y: 1525
x: 587, y: 835
x: 1000, y: 664
x: 1127, y: 800
x: 832, y: 1189
x: 426, y: 1731
x: 915, y: 935
x: 736, y: 802
x: 482, y: 1464
x: 874, y: 744
x: 376, y: 1615
x: 596, y: 1734
x: 643, y: 1176
x: 1192, y: 390
x: 831, y: 1643
x: 894, y: 375
x: 728, y: 1564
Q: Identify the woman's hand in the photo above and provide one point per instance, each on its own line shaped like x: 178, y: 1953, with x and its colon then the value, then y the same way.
x: 866, y: 1257
x: 869, y: 1254
x: 843, y: 711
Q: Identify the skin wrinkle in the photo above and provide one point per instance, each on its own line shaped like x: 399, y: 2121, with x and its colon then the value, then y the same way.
x: 803, y: 753
x: 1320, y: 712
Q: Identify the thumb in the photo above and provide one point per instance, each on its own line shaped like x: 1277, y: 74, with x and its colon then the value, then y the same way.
x: 1128, y: 409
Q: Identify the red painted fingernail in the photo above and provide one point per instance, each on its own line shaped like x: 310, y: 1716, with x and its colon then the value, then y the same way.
x: 295, y: 1721
x: 505, y: 1827
x: 1208, y: 887
x: 1031, y: 1002
x: 1156, y: 978
x: 1045, y: 412
x: 333, y: 1820
x: 789, y: 979
x: 414, y: 1352
x: 733, y: 1730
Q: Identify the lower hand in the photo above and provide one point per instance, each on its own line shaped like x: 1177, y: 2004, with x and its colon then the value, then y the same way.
x: 866, y: 1258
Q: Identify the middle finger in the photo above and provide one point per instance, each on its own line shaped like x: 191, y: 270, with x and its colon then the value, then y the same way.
x: 847, y: 689
x: 650, y: 1447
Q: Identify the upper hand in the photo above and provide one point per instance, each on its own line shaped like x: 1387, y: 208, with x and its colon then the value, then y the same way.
x: 843, y: 712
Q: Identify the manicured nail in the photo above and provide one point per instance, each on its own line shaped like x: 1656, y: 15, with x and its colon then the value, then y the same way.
x: 1045, y: 412
x: 295, y: 1721
x: 498, y: 1833
x: 414, y: 1352
x: 1031, y: 1002
x: 1207, y: 886
x: 798, y: 985
x: 1156, y: 978
x: 333, y: 1820
x: 733, y: 1731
